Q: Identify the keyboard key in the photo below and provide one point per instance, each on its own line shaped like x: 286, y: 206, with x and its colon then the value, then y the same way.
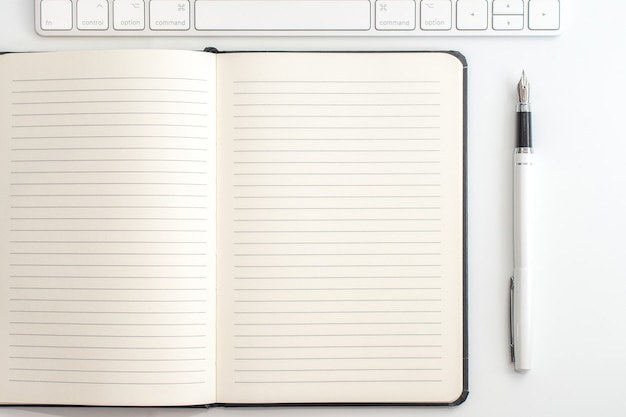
x: 92, y: 15
x: 505, y: 22
x: 471, y: 15
x: 543, y: 15
x: 128, y: 15
x: 436, y: 15
x: 395, y: 15
x: 56, y: 15
x: 508, y: 7
x: 314, y: 15
x: 169, y: 15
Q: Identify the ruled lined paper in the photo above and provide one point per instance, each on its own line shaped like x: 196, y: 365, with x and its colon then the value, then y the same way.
x: 110, y: 255
x: 339, y: 223
x: 340, y: 267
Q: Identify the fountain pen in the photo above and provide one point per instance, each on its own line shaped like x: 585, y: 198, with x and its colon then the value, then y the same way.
x: 521, y: 281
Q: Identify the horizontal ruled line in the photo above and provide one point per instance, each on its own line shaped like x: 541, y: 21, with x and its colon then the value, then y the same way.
x: 94, y: 90
x: 255, y: 174
x: 105, y: 336
x: 105, y: 359
x: 352, y: 151
x: 335, y: 127
x: 333, y: 93
x: 121, y: 113
x: 339, y: 370
x: 22, y: 184
x: 243, y: 255
x: 336, y: 162
x: 109, y: 218
x: 336, y: 139
x: 27, y: 80
x: 107, y: 347
x: 347, y: 197
x: 104, y: 371
x: 339, y: 335
x: 338, y: 266
x: 107, y: 289
x: 74, y: 300
x: 332, y: 116
x: 339, y: 289
x: 112, y: 136
x: 108, y: 230
x: 107, y: 312
x: 338, y: 208
x: 107, y: 160
x: 104, y: 324
x: 343, y: 381
x: 338, y: 347
x: 103, y: 383
x: 336, y: 82
x: 89, y: 254
x: 360, y: 300
x: 106, y: 277
x: 109, y: 172
x: 341, y: 324
x: 346, y: 277
x: 337, y: 243
x: 117, y: 265
x: 340, y: 220
x: 284, y: 104
x: 109, y: 149
x: 339, y: 231
x: 110, y: 195
x: 101, y: 207
x: 107, y: 242
x: 336, y: 185
x: 344, y: 358
x: 107, y: 101
x: 107, y: 125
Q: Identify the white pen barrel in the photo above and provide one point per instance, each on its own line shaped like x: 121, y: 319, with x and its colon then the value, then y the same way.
x: 522, y: 283
x: 522, y: 203
x: 522, y: 333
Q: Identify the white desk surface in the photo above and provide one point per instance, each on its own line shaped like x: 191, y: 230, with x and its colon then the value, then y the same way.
x: 579, y: 102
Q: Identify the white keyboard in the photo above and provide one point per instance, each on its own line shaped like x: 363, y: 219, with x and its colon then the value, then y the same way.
x: 298, y: 17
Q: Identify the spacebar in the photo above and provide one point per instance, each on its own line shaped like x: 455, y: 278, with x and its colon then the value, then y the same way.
x: 282, y: 15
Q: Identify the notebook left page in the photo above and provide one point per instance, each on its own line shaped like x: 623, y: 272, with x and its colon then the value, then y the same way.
x: 107, y: 225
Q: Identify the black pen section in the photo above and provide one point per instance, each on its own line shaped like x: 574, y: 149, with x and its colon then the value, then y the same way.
x: 524, y: 134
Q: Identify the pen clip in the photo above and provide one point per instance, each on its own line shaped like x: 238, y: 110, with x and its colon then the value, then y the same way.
x: 511, y: 318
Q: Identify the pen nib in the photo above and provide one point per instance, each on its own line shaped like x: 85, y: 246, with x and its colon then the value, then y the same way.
x: 523, y: 90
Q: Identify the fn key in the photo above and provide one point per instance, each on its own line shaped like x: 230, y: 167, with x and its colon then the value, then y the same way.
x: 56, y: 14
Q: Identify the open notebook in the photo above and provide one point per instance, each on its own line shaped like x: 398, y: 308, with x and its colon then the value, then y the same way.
x: 185, y: 228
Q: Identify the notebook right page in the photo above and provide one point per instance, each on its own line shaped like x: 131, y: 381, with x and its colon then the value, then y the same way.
x: 340, y: 227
